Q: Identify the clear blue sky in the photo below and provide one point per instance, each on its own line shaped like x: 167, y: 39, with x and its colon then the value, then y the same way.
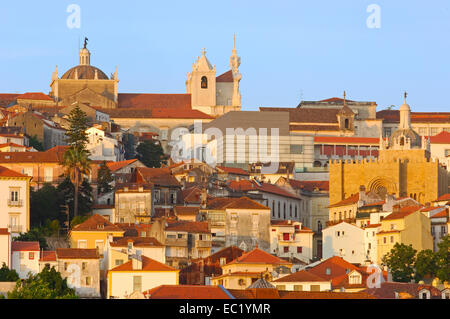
x: 289, y: 49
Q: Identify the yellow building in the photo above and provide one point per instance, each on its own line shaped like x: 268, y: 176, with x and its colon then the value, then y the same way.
x: 245, y: 270
x: 94, y: 233
x: 404, y: 168
x: 406, y: 225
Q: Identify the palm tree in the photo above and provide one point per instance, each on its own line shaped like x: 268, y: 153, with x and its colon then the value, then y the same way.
x: 76, y: 164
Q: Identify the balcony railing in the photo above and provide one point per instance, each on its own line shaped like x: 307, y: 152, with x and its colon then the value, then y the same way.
x: 203, y: 243
x: 15, y: 203
x: 15, y: 228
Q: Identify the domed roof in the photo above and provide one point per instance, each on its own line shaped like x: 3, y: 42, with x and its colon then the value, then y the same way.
x: 415, y: 139
x: 85, y: 72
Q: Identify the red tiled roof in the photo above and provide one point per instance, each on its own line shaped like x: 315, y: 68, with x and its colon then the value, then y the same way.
x: 77, y: 253
x: 157, y: 176
x: 34, y: 96
x: 393, y: 116
x: 186, y: 292
x: 114, y: 166
x: 336, y: 99
x: 4, y: 231
x: 137, y: 242
x: 310, y: 185
x: 404, y: 211
x: 337, y: 266
x: 234, y: 203
x: 441, y: 214
x: 188, y: 226
x: 148, y: 264
x: 149, y: 100
x: 353, y: 199
x: 444, y: 197
x: 324, y: 295
x: 441, y: 138
x: 245, y: 185
x: 387, y: 290
x: 7, y: 98
x: 301, y: 276
x: 12, y: 144
x: 225, y: 77
x: 258, y: 256
x: 186, y: 210
x: 233, y: 170
x: 314, y: 128
x: 25, y: 246
x: 346, y: 140
x: 97, y: 223
x: 48, y: 256
x: 6, y: 172
x: 373, y: 226
x: 53, y: 155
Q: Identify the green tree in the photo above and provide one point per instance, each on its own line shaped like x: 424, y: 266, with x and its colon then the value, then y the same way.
x: 151, y: 154
x: 34, y: 142
x: 76, y: 165
x: 77, y: 138
x: 48, y: 284
x: 400, y: 261
x: 44, y: 205
x: 34, y: 234
x: 104, y: 179
x: 128, y: 140
x: 78, y: 220
x: 443, y: 259
x: 7, y: 274
x: 67, y: 195
x: 425, y: 265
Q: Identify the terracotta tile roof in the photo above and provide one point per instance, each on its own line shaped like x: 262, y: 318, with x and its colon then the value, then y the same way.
x: 310, y: 185
x: 77, y: 253
x: 230, y: 253
x: 53, y: 155
x: 186, y: 210
x: 149, y: 100
x: 7, y: 98
x: 4, y: 231
x: 34, y: 96
x: 314, y: 128
x: 373, y: 226
x: 157, y: 176
x: 258, y: 256
x: 225, y: 77
x: 441, y: 138
x: 186, y: 292
x: 307, y: 115
x: 346, y: 140
x: 324, y: 295
x: 148, y: 264
x: 393, y: 116
x: 404, y: 211
x: 353, y: 199
x: 443, y: 213
x: 387, y: 290
x: 162, y: 113
x: 48, y: 256
x: 234, y: 203
x: 301, y: 276
x: 233, y: 170
x: 97, y: 223
x: 192, y: 195
x: 337, y: 266
x: 12, y: 144
x: 6, y: 172
x: 245, y: 185
x: 444, y: 197
x: 336, y: 100
x: 137, y: 242
x: 188, y: 226
x: 25, y: 246
x: 114, y: 166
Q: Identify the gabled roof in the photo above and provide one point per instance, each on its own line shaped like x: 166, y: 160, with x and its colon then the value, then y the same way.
x: 157, y: 113
x: 233, y: 170
x: 387, y: 290
x: 225, y: 77
x: 149, y: 100
x: 353, y: 199
x: 53, y: 155
x: 310, y: 186
x: 157, y: 176
x: 137, y: 242
x: 393, y: 116
x: 445, y: 197
x: 77, y: 253
x: 6, y: 172
x: 97, y: 223
x: 188, y: 226
x: 7, y: 98
x: 234, y: 203
x: 337, y: 266
x: 187, y: 292
x: 114, y: 166
x: 301, y: 276
x: 246, y: 185
x: 258, y: 256
x: 186, y: 210
x: 34, y: 96
x: 148, y: 264
x: 25, y: 246
x: 441, y: 138
x: 48, y: 256
x: 403, y: 212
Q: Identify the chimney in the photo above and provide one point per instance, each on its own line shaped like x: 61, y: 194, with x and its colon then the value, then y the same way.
x: 137, y: 262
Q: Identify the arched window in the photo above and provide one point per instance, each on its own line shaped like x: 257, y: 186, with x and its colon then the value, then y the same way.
x: 334, y: 217
x: 402, y: 141
x: 317, y: 164
x: 204, y: 84
x: 347, y: 124
x: 319, y: 226
x: 340, y: 216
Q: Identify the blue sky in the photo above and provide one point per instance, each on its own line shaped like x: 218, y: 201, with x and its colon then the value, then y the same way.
x: 290, y: 50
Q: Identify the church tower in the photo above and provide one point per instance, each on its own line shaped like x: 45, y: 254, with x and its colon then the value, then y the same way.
x: 235, y: 62
x: 201, y: 84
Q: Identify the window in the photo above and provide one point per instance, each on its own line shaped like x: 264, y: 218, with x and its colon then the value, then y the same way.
x: 119, y: 262
x: 315, y: 288
x: 347, y: 124
x: 31, y: 256
x: 204, y: 82
x: 296, y: 149
x: 298, y: 287
x: 137, y: 283
x: 285, y: 236
x: 48, y: 174
x: 84, y: 265
x: 328, y: 271
x: 299, y: 249
x: 281, y: 287
x: 66, y: 265
x: 447, y: 152
x: 286, y: 249
x: 354, y: 279
x: 88, y: 281
x: 387, y: 131
x: 392, y: 239
x: 241, y: 282
x: 384, y: 240
x: 82, y: 244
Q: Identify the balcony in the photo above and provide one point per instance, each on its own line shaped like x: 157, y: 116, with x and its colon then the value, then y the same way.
x: 15, y: 203
x: 15, y: 228
x: 179, y: 242
x: 347, y: 220
x: 203, y: 243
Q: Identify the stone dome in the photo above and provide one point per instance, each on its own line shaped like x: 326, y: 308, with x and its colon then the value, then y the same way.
x: 415, y: 139
x: 85, y: 72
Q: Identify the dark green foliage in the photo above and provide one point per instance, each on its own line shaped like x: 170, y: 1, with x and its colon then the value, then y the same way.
x: 400, y: 261
x: 48, y: 284
x: 151, y: 154
x: 104, y: 179
x: 34, y: 142
x: 78, y: 220
x: 77, y: 137
x: 85, y: 199
x: 44, y: 205
x: 7, y: 274
x: 426, y: 265
x: 128, y: 143
x: 443, y: 259
x: 35, y: 234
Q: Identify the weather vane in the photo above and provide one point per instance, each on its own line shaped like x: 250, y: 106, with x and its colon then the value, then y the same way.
x: 85, y: 42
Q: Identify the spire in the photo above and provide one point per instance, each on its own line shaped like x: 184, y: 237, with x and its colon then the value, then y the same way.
x: 235, y: 61
x: 203, y: 51
x: 405, y: 114
x: 344, y: 98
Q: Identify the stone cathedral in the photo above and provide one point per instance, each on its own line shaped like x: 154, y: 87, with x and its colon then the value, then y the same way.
x: 404, y: 168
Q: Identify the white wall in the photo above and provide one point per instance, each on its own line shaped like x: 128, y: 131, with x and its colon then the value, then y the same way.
x: 122, y: 282
x: 25, y: 265
x: 5, y: 250
x: 349, y: 245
